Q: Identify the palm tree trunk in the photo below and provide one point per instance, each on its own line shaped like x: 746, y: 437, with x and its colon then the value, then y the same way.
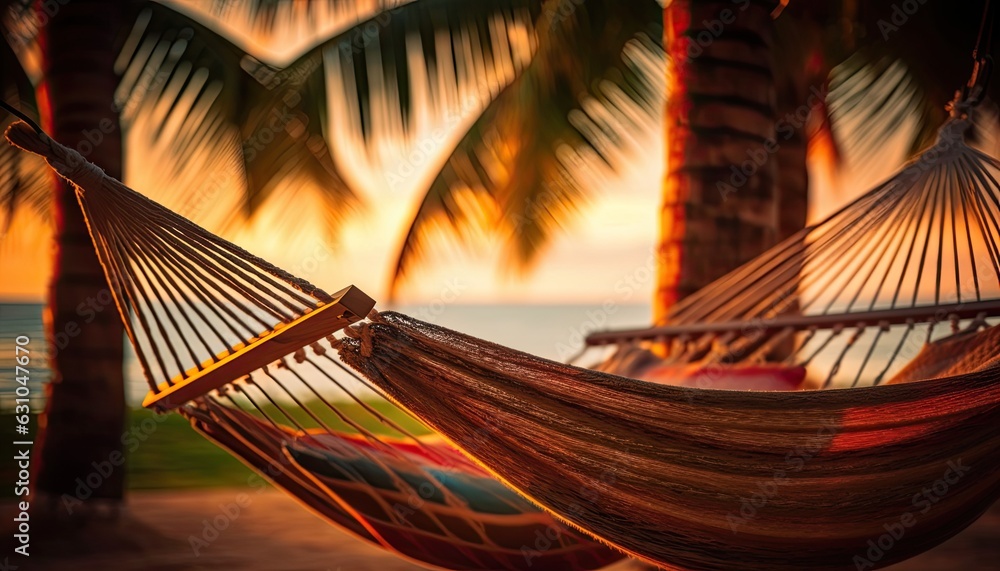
x: 794, y: 102
x: 719, y: 197
x: 793, y: 193
x: 79, y: 450
x: 802, y: 86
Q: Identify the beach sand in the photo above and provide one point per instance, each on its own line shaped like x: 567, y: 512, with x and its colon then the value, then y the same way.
x: 273, y: 533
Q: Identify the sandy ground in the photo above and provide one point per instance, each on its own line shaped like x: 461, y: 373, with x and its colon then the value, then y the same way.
x: 273, y: 533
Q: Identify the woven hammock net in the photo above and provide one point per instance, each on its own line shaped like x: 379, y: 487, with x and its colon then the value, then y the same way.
x: 853, y: 298
x: 900, y: 286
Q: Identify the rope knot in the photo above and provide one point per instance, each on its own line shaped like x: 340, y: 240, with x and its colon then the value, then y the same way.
x: 953, y: 132
x: 70, y: 164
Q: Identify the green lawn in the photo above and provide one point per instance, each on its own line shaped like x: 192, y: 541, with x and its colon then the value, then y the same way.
x: 172, y: 455
x: 175, y: 456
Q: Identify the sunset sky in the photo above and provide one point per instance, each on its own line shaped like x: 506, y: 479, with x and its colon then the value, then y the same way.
x: 612, y: 239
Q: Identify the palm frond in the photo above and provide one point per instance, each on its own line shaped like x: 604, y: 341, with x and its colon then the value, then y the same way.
x: 24, y: 180
x: 907, y: 68
x: 277, y: 22
x: 593, y: 88
x: 20, y: 22
x: 174, y: 67
x: 199, y: 101
x: 429, y: 53
x: 870, y: 101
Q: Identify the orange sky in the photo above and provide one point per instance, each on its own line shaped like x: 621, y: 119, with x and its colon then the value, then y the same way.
x: 612, y: 239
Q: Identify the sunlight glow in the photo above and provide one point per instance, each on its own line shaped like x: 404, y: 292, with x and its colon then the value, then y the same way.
x: 610, y: 241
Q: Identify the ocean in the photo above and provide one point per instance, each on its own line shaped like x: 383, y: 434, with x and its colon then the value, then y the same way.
x: 551, y: 331
x: 555, y: 332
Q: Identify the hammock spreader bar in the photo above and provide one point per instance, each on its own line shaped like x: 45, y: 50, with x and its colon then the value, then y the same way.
x: 847, y: 294
x: 960, y: 311
x: 200, y: 311
x: 347, y: 307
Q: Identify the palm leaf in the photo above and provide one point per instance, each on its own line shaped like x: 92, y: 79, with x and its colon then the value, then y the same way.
x: 23, y: 177
x: 428, y: 53
x: 199, y: 94
x: 202, y: 103
x: 904, y: 73
x: 595, y: 81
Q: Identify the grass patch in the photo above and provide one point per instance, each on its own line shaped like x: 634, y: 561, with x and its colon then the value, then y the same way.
x: 174, y: 456
x: 164, y: 452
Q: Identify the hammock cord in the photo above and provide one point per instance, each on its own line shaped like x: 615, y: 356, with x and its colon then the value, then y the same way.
x: 984, y: 41
x: 352, y: 472
x: 21, y: 115
x: 925, y: 239
x: 895, y: 354
x: 384, y: 420
x: 188, y: 298
x: 882, y: 328
x: 389, y: 460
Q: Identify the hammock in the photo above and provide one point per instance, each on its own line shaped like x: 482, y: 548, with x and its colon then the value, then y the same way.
x: 683, y: 477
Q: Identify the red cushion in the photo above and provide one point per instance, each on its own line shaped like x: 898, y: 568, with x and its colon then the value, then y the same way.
x: 734, y: 377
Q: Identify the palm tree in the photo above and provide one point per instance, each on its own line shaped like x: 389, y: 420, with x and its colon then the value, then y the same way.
x: 720, y: 198
x: 750, y: 92
x: 85, y: 404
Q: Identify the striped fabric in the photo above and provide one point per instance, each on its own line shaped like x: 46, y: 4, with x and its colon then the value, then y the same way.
x: 426, y: 502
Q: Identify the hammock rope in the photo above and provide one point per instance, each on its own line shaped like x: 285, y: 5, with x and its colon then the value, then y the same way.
x: 686, y: 478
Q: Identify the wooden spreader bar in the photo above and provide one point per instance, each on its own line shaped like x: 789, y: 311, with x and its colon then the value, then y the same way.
x: 988, y: 308
x: 349, y: 306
